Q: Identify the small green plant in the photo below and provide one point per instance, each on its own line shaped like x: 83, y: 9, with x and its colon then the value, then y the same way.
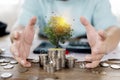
x: 57, y: 30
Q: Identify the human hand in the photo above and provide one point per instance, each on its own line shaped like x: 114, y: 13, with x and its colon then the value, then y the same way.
x: 96, y: 42
x: 22, y: 41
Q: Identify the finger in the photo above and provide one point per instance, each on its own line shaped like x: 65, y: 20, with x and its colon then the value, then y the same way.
x: 14, y: 36
x: 91, y: 32
x: 92, y: 65
x: 31, y: 23
x: 102, y: 34
x: 87, y: 25
x: 14, y: 50
x: 23, y: 62
x: 95, y: 57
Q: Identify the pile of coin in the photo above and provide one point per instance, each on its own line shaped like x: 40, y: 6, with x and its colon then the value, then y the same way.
x: 7, y: 63
x: 43, y: 60
x: 113, y: 63
x: 55, y: 60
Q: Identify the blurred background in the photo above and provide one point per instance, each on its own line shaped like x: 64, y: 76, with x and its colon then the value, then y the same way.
x: 9, y: 10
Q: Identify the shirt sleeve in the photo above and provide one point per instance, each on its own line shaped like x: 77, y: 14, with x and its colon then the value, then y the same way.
x: 29, y: 9
x: 103, y: 17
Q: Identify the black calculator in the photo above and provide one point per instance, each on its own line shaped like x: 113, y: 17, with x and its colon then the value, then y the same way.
x: 79, y: 46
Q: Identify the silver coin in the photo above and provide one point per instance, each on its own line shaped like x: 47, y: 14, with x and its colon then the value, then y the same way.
x: 2, y: 50
x: 115, y: 66
x: 35, y: 61
x: 6, y: 75
x: 2, y: 60
x: 8, y: 66
x: 104, y: 64
x: 82, y: 65
x: 3, y: 64
x: 13, y: 62
x: 6, y: 60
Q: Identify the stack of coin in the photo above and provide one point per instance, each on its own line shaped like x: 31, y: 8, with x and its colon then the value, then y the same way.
x: 52, y: 54
x: 71, y: 62
x: 58, y: 64
x: 57, y: 54
x: 50, y: 68
x: 62, y: 57
x: 43, y: 59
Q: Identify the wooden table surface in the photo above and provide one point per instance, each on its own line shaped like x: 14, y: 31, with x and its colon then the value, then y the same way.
x: 65, y: 74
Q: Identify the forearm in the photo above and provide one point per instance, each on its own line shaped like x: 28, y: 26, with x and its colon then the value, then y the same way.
x: 112, y: 38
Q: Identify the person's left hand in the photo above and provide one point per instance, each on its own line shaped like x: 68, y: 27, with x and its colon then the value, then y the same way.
x: 96, y: 41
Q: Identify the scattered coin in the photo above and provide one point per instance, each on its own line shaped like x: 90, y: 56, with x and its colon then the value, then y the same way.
x: 115, y: 66
x: 13, y: 62
x: 6, y: 75
x: 35, y: 61
x: 3, y: 64
x: 114, y: 61
x: 8, y: 66
x: 1, y: 60
x: 2, y: 50
x: 104, y: 64
x: 6, y: 60
x: 82, y: 65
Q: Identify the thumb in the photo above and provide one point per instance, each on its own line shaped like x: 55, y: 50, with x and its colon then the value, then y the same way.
x: 102, y: 34
x: 14, y: 36
x: 86, y: 23
x: 31, y: 23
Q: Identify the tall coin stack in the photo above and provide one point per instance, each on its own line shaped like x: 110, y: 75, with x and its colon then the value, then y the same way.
x: 58, y: 57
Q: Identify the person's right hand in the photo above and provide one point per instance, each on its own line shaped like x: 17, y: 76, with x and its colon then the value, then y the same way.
x: 21, y: 43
